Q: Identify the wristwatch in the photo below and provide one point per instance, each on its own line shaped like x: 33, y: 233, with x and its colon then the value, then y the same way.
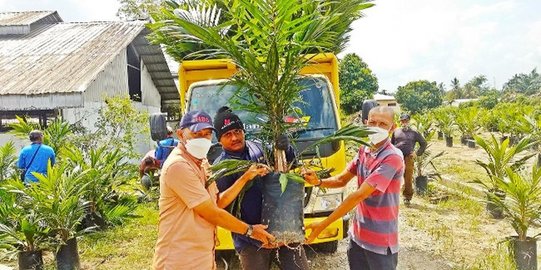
x: 249, y: 231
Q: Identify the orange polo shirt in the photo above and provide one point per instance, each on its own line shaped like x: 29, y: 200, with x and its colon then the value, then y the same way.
x: 185, y: 240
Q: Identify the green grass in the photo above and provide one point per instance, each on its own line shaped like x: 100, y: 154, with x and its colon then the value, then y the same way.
x: 126, y: 247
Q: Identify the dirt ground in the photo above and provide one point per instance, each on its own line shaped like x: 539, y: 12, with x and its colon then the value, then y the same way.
x: 416, y: 253
x: 456, y: 234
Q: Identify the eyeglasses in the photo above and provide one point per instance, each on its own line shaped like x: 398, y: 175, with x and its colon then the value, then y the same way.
x: 229, y: 134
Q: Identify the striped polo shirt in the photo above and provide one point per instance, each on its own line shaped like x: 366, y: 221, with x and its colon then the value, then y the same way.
x: 375, y: 224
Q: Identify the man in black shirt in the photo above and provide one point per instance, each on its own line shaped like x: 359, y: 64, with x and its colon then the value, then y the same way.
x: 405, y: 139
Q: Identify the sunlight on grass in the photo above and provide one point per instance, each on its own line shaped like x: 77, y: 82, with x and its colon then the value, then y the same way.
x: 127, y: 247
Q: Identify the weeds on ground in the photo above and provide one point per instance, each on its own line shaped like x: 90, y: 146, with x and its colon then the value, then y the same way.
x: 495, y: 259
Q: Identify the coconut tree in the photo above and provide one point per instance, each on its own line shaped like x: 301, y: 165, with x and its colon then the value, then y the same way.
x: 269, y: 42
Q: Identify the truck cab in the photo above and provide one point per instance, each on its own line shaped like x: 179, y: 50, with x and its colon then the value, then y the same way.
x: 203, y: 86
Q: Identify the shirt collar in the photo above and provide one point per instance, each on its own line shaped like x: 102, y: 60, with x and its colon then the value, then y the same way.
x: 238, y: 155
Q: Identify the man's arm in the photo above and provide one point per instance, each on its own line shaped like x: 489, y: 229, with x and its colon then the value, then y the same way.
x: 337, y: 181
x: 219, y: 217
x: 347, y: 205
x: 422, y: 144
x: 227, y: 196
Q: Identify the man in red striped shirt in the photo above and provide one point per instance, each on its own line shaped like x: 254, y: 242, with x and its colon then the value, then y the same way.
x: 379, y: 170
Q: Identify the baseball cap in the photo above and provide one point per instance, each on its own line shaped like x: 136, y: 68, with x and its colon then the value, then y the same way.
x: 196, y: 121
x: 405, y: 116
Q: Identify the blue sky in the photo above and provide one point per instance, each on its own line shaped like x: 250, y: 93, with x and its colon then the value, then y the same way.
x: 406, y: 40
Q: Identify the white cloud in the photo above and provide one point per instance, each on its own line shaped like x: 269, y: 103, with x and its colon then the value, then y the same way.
x: 407, y: 40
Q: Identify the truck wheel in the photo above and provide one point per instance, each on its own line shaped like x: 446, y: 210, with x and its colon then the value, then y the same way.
x: 329, y: 247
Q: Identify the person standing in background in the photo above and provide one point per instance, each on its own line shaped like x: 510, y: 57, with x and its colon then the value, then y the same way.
x: 405, y: 139
x: 35, y: 157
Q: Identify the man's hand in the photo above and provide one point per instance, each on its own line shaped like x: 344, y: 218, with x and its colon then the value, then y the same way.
x: 255, y: 170
x: 317, y: 228
x: 261, y: 235
x: 310, y: 177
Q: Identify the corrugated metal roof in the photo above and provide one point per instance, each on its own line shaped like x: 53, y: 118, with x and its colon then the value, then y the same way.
x: 56, y: 57
x: 61, y: 58
x: 26, y: 17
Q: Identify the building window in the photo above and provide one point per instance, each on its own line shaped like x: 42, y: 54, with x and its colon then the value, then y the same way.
x: 391, y: 104
x: 134, y: 74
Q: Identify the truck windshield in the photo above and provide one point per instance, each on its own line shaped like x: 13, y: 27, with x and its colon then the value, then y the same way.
x: 317, y: 106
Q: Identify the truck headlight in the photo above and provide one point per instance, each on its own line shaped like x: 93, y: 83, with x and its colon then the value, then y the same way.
x: 324, y: 202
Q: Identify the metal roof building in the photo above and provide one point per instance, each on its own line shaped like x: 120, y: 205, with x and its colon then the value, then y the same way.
x: 50, y: 68
x: 49, y: 64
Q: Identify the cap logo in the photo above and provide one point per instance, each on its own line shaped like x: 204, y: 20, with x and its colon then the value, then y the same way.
x: 227, y: 122
x: 201, y: 119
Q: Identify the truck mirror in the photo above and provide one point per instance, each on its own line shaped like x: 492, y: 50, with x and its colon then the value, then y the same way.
x: 367, y: 106
x: 158, y: 126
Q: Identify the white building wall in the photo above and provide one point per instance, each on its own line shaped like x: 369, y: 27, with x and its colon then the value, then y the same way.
x: 149, y: 92
x: 111, y: 81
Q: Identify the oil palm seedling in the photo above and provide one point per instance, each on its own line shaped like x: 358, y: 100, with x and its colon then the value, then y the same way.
x: 422, y: 163
x: 106, y: 172
x: 521, y: 207
x: 445, y: 121
x: 500, y: 155
x: 54, y: 135
x: 58, y: 201
x: 269, y: 42
x: 21, y: 230
x: 467, y: 122
x: 423, y: 123
x: 7, y: 160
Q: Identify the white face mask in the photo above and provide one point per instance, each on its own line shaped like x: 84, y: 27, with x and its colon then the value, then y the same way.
x: 198, y: 147
x: 379, y: 135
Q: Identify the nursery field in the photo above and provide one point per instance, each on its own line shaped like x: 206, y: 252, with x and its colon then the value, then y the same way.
x: 446, y: 229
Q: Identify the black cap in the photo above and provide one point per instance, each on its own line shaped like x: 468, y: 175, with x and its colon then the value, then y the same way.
x: 404, y: 116
x: 225, y: 120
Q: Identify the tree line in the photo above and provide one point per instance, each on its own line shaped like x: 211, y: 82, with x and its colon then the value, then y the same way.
x: 358, y: 83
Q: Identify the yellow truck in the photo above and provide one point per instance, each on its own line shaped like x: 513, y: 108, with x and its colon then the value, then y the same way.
x: 202, y: 87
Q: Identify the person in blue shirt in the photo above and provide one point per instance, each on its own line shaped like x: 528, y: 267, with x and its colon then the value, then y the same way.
x: 165, y: 146
x: 35, y: 157
x: 252, y: 254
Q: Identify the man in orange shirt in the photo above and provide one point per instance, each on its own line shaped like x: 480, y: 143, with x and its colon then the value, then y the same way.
x: 188, y: 208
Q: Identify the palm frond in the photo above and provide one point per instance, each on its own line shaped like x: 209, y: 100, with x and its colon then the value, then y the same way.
x: 349, y: 132
x: 227, y: 167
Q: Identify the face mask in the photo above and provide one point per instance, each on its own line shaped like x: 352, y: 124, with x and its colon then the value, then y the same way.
x: 198, y: 147
x: 379, y: 135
